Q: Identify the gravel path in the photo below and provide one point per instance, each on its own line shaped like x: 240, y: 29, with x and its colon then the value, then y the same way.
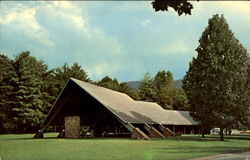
x: 229, y: 156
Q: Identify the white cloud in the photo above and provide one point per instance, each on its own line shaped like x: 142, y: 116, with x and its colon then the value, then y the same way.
x: 63, y: 4
x: 222, y: 7
x: 145, y: 22
x: 176, y: 47
x: 101, y: 70
x: 23, y: 19
x: 76, y: 20
x: 131, y: 6
x: 235, y: 6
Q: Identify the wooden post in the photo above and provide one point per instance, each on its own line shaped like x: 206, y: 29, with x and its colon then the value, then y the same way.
x: 138, y: 134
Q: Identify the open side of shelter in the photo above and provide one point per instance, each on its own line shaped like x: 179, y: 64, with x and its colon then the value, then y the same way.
x: 86, y: 110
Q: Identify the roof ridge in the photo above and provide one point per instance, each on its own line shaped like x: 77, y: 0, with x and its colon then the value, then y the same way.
x: 74, y: 79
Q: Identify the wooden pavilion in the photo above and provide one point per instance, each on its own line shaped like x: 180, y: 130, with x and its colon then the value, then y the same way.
x: 86, y: 110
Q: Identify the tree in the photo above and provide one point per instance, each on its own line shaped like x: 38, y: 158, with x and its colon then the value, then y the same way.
x: 113, y: 84
x: 125, y: 88
x: 180, y: 101
x: 147, y: 90
x: 215, y: 83
x: 163, y: 83
x: 7, y: 76
x: 180, y: 6
x: 27, y: 105
x: 50, y: 90
x: 109, y: 83
x: 64, y: 73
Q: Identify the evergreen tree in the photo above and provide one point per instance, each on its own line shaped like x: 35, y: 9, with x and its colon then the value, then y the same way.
x: 216, y: 81
x: 164, y: 90
x: 147, y: 88
x: 27, y: 104
x: 124, y: 88
x: 7, y: 77
x: 109, y: 83
x: 50, y: 90
x: 64, y: 73
x: 180, y: 101
x: 113, y: 84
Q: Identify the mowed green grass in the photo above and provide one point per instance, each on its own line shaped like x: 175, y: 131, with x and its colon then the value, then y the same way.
x: 24, y: 147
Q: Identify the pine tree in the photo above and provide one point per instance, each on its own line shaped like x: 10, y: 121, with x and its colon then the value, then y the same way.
x: 125, y: 88
x: 109, y: 83
x: 113, y: 84
x: 50, y: 90
x: 216, y: 80
x: 164, y: 90
x: 27, y: 104
x: 64, y: 73
x: 180, y: 101
x: 7, y: 77
x: 147, y: 89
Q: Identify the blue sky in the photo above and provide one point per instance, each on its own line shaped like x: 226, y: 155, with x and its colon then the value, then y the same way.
x: 120, y: 39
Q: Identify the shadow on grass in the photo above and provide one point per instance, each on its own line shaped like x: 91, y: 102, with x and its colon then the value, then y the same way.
x: 205, y: 149
x: 28, y: 138
x: 235, y: 137
x: 97, y: 138
x: 210, y: 138
x: 193, y: 138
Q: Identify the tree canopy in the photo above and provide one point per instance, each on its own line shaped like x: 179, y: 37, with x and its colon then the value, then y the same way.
x: 179, y: 6
x: 28, y: 90
x: 113, y: 84
x: 216, y: 82
x: 147, y: 88
x: 163, y: 83
x: 26, y: 103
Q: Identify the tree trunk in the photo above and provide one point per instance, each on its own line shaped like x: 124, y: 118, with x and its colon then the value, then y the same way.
x: 203, y: 135
x: 202, y: 132
x: 221, y: 134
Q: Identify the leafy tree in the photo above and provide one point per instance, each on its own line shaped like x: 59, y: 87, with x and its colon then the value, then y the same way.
x: 147, y: 89
x: 180, y: 101
x: 107, y: 82
x: 50, y: 90
x: 216, y: 81
x: 113, y: 84
x: 180, y: 6
x: 7, y: 76
x: 163, y: 85
x: 27, y: 105
x: 64, y: 73
x: 125, y: 88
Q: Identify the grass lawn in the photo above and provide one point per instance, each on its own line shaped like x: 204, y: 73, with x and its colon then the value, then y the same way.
x: 24, y: 147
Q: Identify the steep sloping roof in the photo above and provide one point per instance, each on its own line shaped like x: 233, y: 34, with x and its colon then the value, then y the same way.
x: 128, y: 110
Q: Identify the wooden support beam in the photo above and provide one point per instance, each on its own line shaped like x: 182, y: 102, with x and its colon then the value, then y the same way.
x: 138, y: 134
x: 147, y: 127
x: 129, y: 126
x: 166, y: 131
x: 153, y: 132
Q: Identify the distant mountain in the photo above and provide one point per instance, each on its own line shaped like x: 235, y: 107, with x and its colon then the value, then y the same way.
x: 136, y: 84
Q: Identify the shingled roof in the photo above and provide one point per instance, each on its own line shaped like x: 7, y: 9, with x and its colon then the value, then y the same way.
x: 130, y: 111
